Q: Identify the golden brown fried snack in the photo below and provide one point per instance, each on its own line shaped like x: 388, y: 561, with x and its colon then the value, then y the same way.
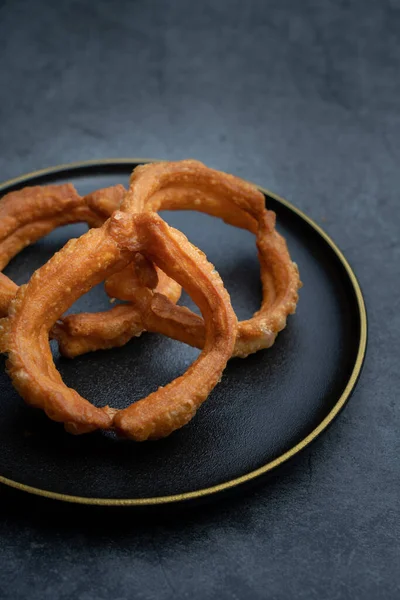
x: 80, y: 265
x: 8, y: 289
x: 190, y: 185
x: 31, y: 213
x: 87, y: 332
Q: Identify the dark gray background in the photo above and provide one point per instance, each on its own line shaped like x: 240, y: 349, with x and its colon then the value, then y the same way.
x: 302, y: 98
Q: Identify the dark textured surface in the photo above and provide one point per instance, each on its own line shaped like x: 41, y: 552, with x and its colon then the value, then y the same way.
x: 303, y: 98
x: 263, y: 407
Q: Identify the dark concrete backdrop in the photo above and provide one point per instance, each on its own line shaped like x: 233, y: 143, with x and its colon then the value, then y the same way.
x: 302, y: 98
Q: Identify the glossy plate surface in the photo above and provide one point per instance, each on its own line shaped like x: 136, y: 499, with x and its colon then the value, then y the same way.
x: 267, y: 407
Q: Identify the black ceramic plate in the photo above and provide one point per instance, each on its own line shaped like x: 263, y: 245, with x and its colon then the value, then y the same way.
x: 267, y: 408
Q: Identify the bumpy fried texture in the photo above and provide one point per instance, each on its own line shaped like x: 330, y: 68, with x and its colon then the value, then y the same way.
x: 8, y: 289
x: 87, y: 332
x: 102, y: 203
x: 80, y: 265
x: 31, y: 213
x: 190, y: 185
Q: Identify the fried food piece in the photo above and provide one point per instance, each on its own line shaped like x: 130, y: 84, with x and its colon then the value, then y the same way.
x: 31, y: 213
x: 8, y: 289
x: 190, y: 185
x: 86, y: 332
x: 76, y: 268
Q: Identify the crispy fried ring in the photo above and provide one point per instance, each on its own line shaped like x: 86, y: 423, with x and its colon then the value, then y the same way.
x: 190, y: 185
x: 31, y: 213
x: 80, y: 265
x: 88, y: 332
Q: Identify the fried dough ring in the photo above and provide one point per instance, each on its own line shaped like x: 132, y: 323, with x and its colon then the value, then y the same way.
x: 88, y: 332
x: 31, y: 213
x: 76, y: 268
x: 190, y: 185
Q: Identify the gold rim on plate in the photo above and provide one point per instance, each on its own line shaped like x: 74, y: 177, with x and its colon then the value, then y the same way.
x: 273, y: 463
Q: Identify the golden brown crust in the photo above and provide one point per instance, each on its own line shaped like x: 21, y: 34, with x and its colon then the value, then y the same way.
x: 31, y: 213
x: 60, y: 281
x: 8, y: 289
x: 87, y: 332
x: 190, y: 185
x: 175, y: 404
x: 138, y: 283
x: 103, y: 202
x: 80, y: 265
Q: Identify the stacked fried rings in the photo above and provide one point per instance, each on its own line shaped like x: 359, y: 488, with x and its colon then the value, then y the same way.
x: 143, y: 262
